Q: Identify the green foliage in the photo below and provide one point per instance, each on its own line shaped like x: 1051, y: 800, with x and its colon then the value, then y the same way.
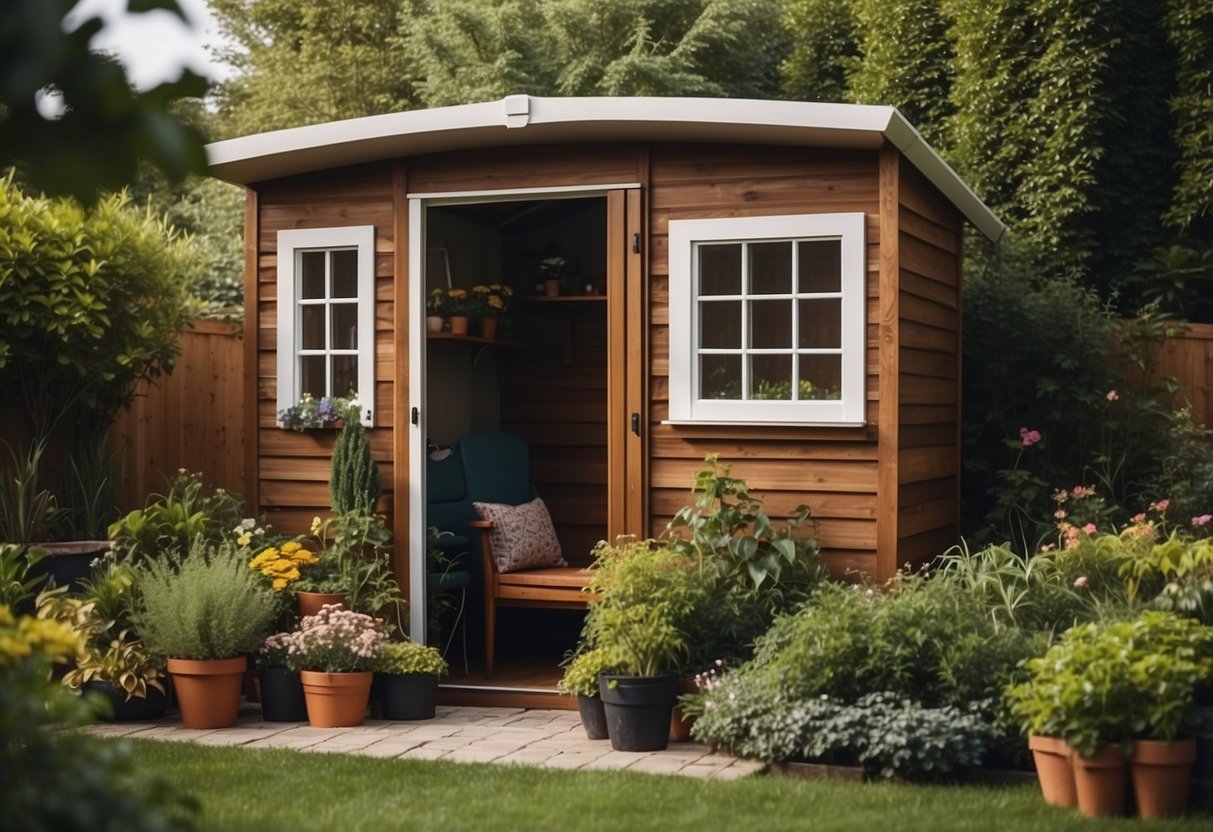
x: 27, y: 511
x: 581, y: 676
x: 107, y: 126
x: 59, y: 779
x: 1116, y: 682
x: 905, y: 61
x: 354, y: 559
x: 91, y: 303
x: 205, y: 605
x: 824, y: 45
x: 169, y: 523
x: 17, y: 587
x: 403, y: 657
x: 354, y: 484
x: 1189, y: 29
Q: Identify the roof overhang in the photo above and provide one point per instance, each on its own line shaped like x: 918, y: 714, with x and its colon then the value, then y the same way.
x: 527, y: 120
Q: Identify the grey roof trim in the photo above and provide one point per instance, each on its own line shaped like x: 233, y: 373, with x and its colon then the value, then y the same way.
x: 523, y: 120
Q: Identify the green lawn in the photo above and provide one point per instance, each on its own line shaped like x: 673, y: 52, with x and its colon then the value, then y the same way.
x: 261, y: 790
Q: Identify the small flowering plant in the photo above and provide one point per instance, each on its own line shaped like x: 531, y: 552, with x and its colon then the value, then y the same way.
x: 283, y: 564
x: 334, y: 640
x: 453, y: 301
x: 492, y: 299
x: 312, y: 413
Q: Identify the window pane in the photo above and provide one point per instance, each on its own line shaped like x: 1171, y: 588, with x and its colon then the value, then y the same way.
x: 720, y: 324
x: 821, y: 323
x: 345, y: 326
x: 311, y: 375
x: 770, y: 268
x: 771, y: 377
x: 720, y: 376
x: 820, y: 265
x: 345, y: 374
x: 821, y: 377
x: 311, y: 274
x: 345, y: 273
x: 771, y: 324
x: 720, y: 269
x: 312, y: 321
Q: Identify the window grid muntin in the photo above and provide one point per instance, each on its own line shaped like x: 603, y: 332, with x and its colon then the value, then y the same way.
x: 327, y: 302
x: 746, y: 297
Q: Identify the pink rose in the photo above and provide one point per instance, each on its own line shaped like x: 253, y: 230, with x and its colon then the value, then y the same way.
x: 1029, y: 437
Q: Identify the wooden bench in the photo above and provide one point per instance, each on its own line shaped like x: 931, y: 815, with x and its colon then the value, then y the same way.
x: 555, y: 587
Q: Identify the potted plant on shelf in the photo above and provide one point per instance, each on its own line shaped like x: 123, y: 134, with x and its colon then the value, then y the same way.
x: 458, y: 306
x: 406, y: 680
x: 334, y: 652
x: 1108, y: 690
x: 581, y: 680
x: 434, y: 312
x: 493, y: 301
x: 204, y: 611
x: 552, y: 271
x: 644, y: 590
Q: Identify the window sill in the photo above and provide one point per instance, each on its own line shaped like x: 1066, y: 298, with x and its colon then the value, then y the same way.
x: 756, y: 423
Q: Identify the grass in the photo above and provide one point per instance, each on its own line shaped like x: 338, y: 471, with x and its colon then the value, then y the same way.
x: 263, y: 790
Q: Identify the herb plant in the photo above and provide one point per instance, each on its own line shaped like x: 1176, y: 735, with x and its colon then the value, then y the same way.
x: 399, y: 658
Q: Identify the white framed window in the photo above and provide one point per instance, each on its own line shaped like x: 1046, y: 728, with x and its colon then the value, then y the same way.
x: 326, y: 315
x: 767, y: 320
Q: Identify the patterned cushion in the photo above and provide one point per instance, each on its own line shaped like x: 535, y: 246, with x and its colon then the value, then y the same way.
x: 522, y: 536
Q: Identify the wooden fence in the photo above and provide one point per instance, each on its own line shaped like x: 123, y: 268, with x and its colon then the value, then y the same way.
x: 1188, y: 358
x: 191, y: 419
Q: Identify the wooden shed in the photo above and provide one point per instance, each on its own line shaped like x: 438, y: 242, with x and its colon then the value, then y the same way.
x: 775, y: 282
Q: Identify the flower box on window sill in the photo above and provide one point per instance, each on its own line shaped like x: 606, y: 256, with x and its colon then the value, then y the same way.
x: 327, y: 413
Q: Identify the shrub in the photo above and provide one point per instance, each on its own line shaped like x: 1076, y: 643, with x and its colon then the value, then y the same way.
x: 398, y: 658
x: 205, y: 605
x: 354, y: 484
x: 171, y: 522
x: 581, y: 675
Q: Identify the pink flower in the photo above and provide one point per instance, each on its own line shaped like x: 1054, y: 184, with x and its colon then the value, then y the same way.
x: 1080, y: 581
x: 1113, y: 395
x: 1160, y: 506
x: 1029, y: 437
x: 1048, y: 547
x: 1060, y: 514
x: 1202, y: 520
x: 1089, y: 528
x: 1137, y: 518
x: 1082, y: 491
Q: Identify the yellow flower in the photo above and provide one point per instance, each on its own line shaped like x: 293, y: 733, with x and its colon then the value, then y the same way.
x: 481, y: 289
x: 265, y: 557
x: 280, y: 584
x: 496, y: 302
x: 317, y: 524
x: 244, y: 539
x: 291, y: 547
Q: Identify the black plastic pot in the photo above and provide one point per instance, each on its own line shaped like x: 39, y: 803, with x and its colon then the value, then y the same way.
x: 70, y: 564
x: 593, y: 716
x: 135, y: 709
x: 638, y: 710
x: 281, y: 695
x: 407, y: 696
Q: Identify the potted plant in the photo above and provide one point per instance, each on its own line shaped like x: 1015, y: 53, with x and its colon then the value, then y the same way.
x: 581, y: 680
x: 492, y: 303
x: 282, y: 697
x: 334, y: 652
x: 458, y: 306
x: 434, y: 312
x: 204, y: 611
x: 644, y: 591
x: 1103, y: 689
x: 406, y: 679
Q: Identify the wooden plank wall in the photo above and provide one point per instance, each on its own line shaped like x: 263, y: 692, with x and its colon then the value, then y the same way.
x: 832, y: 470
x: 192, y: 418
x: 294, y: 467
x: 929, y: 267
x: 1188, y: 358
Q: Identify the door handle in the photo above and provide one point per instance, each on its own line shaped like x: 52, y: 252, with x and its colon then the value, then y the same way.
x: 636, y: 423
x: 416, y: 416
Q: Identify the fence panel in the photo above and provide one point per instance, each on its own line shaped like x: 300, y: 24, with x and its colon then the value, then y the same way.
x: 191, y: 419
x: 1188, y: 357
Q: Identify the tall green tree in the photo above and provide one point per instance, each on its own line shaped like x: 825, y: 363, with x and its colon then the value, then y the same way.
x: 310, y: 62
x: 905, y: 61
x: 823, y: 45
x: 1189, y: 29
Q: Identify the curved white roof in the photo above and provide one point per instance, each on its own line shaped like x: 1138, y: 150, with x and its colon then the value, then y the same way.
x: 524, y: 119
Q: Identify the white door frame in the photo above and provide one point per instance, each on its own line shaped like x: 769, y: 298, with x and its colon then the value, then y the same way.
x: 418, y: 203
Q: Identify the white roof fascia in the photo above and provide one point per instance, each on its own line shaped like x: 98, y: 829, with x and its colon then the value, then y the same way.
x: 521, y: 119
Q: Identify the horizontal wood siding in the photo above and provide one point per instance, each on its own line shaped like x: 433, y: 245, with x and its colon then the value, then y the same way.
x: 929, y: 263
x: 832, y: 470
x: 293, y: 467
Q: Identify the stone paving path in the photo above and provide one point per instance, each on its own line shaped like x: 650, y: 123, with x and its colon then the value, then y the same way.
x: 549, y: 739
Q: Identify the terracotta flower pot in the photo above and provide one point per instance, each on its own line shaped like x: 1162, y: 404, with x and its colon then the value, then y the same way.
x: 1162, y: 774
x: 208, y: 691
x: 459, y: 324
x: 336, y: 700
x: 680, y: 724
x: 488, y: 326
x: 551, y: 288
x: 309, y: 603
x: 1053, y: 770
x: 1102, y: 781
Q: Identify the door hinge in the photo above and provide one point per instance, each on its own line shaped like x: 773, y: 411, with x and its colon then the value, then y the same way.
x: 636, y: 243
x: 416, y: 416
x: 636, y: 423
